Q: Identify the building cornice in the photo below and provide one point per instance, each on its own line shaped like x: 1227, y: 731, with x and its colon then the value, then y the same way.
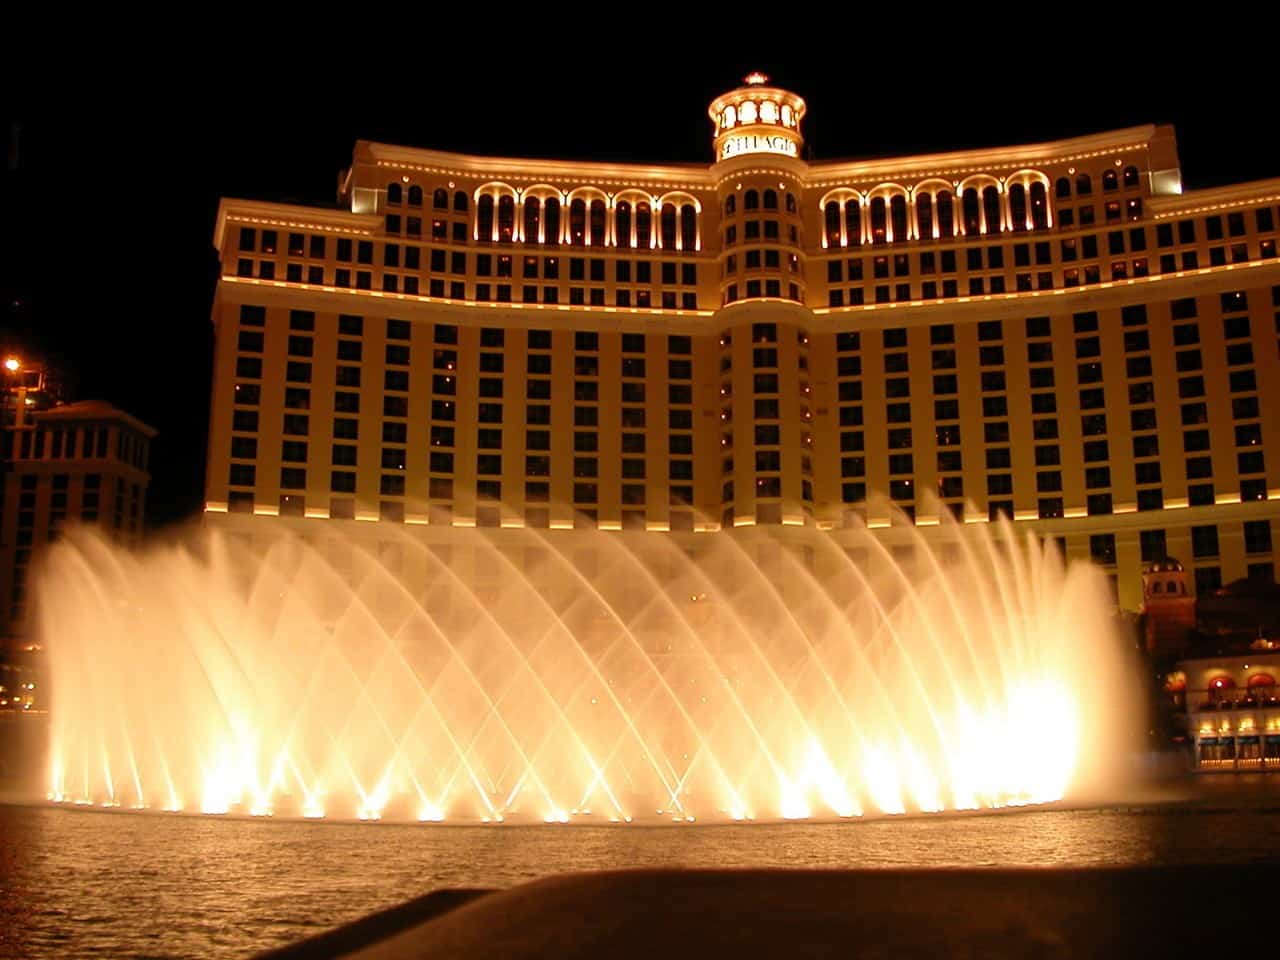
x: 985, y: 160
x: 817, y: 175
x: 291, y: 216
x: 666, y: 176
x: 1216, y: 198
x: 93, y: 411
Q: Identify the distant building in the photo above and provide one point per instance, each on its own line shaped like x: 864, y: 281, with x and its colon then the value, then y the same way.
x: 1233, y: 709
x: 83, y: 462
x: 1052, y: 332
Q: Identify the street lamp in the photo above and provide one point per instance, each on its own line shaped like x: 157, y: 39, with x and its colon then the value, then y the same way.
x: 12, y: 364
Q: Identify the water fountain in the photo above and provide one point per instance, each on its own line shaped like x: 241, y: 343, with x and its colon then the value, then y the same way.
x: 374, y: 671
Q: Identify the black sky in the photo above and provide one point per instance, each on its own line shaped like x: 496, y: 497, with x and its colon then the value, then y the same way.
x: 110, y: 191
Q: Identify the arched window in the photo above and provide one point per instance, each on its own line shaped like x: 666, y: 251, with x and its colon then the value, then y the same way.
x: 879, y: 221
x: 688, y: 227
x: 669, y: 226
x: 991, y: 209
x: 622, y: 224
x: 853, y: 222
x: 578, y: 222
x: 731, y: 205
x: 415, y: 196
x: 484, y: 218
x: 771, y: 199
x: 1018, y: 207
x: 460, y: 202
x: 791, y: 203
x: 1063, y: 188
x: 831, y: 220
x: 506, y: 218
x: 1110, y: 181
x: 393, y: 193
x: 644, y: 226
x: 551, y: 221
x: 1084, y: 186
x: 971, y: 212
x: 1220, y: 687
x: 946, y: 214
x: 750, y: 200
x: 532, y: 214
x: 598, y: 222
x: 1039, y: 207
x: 898, y: 218
x: 1130, y: 176
x: 924, y: 215
x: 440, y: 199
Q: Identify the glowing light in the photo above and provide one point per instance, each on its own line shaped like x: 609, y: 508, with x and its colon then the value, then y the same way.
x: 432, y: 814
x: 12, y: 364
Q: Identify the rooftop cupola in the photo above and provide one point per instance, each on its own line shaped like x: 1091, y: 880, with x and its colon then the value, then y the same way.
x: 757, y: 118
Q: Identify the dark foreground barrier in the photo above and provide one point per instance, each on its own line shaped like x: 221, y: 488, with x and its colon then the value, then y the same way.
x: 1123, y: 912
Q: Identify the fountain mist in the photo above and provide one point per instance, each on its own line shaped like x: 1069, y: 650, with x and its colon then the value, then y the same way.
x: 499, y: 675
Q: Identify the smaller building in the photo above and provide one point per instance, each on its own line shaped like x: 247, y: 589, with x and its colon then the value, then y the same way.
x: 1226, y: 686
x: 62, y: 463
x: 1233, y: 708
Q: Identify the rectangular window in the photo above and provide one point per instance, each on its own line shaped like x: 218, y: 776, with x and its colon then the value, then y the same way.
x: 1208, y: 579
x: 1257, y: 536
x: 1152, y: 546
x: 1102, y: 548
x: 250, y: 341
x: 1204, y: 542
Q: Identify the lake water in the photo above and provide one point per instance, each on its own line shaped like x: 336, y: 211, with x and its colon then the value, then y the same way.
x: 79, y: 883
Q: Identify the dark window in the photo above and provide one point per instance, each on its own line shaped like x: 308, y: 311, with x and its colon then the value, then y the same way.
x: 1257, y: 536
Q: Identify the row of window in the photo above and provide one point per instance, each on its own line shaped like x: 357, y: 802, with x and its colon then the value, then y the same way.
x: 1024, y: 282
x: 1257, y: 539
x: 410, y: 257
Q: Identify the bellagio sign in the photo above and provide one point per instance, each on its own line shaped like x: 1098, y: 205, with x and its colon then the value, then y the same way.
x: 755, y: 143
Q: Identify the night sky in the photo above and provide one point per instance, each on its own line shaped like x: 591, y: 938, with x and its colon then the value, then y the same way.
x: 112, y: 176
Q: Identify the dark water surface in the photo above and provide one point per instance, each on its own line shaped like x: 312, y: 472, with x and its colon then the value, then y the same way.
x: 92, y: 884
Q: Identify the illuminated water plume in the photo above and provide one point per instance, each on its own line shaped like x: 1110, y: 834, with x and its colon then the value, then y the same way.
x: 376, y: 672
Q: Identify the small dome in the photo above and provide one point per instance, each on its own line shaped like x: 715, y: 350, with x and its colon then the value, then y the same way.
x: 1167, y: 565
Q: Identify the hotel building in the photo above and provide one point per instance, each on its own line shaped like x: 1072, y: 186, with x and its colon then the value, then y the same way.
x: 1055, y: 332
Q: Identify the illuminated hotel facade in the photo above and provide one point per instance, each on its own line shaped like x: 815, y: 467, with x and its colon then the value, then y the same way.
x: 1056, y: 332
